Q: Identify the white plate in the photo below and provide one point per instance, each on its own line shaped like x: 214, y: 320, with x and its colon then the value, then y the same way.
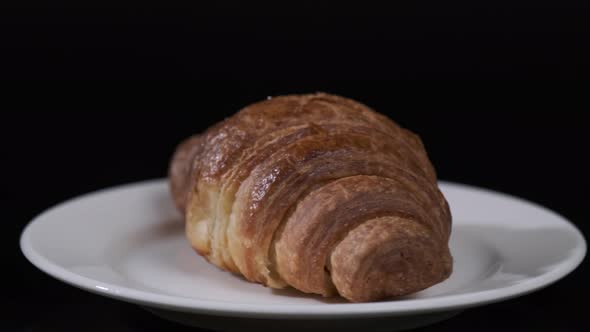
x: 128, y: 243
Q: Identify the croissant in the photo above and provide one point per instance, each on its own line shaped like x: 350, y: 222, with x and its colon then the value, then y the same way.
x: 317, y: 192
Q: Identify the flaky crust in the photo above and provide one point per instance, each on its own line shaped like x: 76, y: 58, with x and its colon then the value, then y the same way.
x: 317, y: 192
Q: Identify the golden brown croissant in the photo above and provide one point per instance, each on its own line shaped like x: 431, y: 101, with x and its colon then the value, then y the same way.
x: 317, y: 192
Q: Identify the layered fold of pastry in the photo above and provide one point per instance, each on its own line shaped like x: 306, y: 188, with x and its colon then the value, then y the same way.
x: 317, y: 192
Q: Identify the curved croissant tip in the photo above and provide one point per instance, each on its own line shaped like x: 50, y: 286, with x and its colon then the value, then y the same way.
x: 388, y: 257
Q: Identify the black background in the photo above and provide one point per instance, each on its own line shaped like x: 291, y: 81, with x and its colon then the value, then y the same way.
x: 400, y: 40
x: 512, y: 133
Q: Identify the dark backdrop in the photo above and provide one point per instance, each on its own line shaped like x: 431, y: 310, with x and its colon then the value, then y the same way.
x: 402, y: 40
x: 518, y: 136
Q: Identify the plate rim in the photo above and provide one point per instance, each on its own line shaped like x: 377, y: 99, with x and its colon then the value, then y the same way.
x: 303, y: 311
